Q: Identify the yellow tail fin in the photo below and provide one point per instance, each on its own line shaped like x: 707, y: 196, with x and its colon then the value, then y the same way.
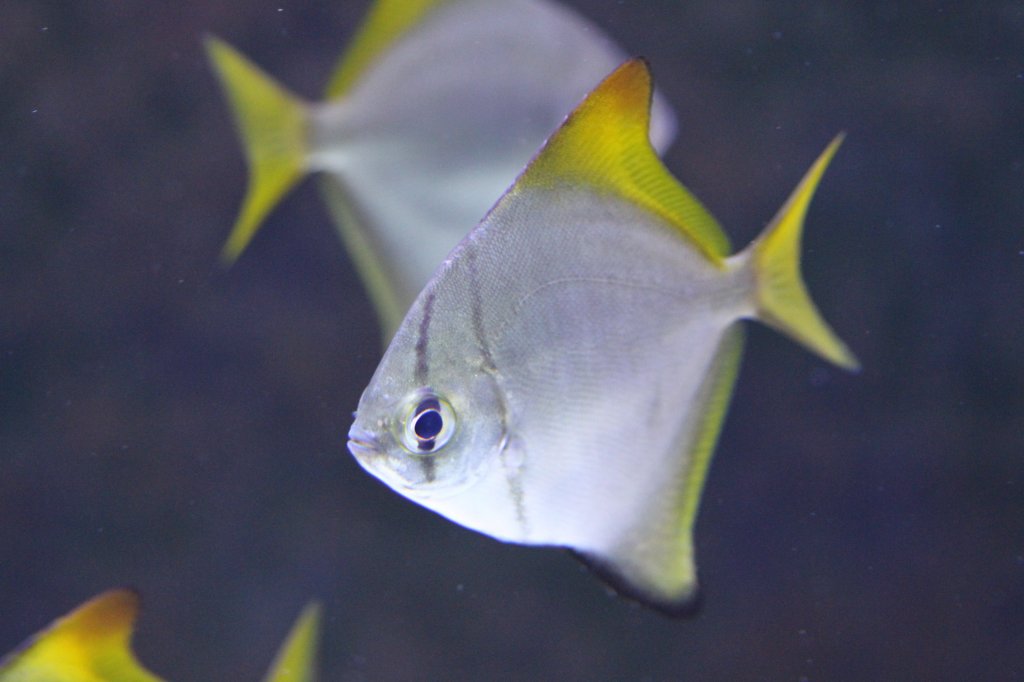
x: 272, y: 124
x: 296, y: 661
x: 91, y: 643
x: 782, y: 298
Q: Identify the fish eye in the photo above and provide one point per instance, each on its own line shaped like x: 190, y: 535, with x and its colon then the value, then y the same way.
x: 429, y: 424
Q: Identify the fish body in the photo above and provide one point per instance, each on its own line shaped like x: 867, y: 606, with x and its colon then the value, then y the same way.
x: 429, y: 117
x: 90, y: 644
x: 563, y: 377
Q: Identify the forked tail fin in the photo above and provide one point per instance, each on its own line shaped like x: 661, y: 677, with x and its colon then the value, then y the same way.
x: 272, y: 124
x: 781, y: 296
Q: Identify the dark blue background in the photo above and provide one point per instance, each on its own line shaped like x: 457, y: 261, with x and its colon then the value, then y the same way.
x: 174, y: 427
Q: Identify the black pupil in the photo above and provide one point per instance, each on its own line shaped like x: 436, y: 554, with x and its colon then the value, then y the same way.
x: 428, y: 424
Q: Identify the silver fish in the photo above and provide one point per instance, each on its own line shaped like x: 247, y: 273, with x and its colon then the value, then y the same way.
x: 563, y: 377
x: 430, y: 115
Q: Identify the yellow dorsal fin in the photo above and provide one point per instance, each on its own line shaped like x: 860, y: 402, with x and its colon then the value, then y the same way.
x: 296, y: 660
x: 605, y: 143
x: 782, y: 298
x: 90, y: 644
x: 272, y: 125
x: 386, y: 22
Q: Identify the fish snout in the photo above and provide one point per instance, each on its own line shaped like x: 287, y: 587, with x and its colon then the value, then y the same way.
x: 363, y: 446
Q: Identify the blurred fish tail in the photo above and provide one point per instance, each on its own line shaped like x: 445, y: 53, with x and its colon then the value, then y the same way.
x: 781, y: 295
x: 272, y: 124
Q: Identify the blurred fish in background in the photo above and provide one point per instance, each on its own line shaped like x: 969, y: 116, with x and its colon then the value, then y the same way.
x: 296, y: 661
x: 431, y: 113
x: 563, y: 378
x: 90, y: 644
x: 93, y: 644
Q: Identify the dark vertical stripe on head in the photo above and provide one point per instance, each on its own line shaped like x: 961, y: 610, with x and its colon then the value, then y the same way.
x: 478, y: 313
x: 429, y: 469
x: 421, y: 341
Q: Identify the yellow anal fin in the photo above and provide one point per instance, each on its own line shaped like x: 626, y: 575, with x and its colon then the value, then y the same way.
x: 782, y: 298
x: 656, y: 563
x: 90, y: 644
x: 296, y: 660
x: 605, y: 144
x: 386, y: 22
x: 273, y: 127
x: 381, y: 287
x: 714, y: 398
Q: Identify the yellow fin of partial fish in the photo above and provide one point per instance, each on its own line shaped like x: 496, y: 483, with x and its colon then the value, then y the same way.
x: 296, y: 661
x: 90, y: 644
x: 272, y: 124
x: 379, y: 286
x: 386, y: 22
x: 605, y: 143
x: 782, y: 298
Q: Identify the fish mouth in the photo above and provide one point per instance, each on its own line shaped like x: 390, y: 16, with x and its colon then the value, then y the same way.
x: 363, y: 446
x: 374, y: 457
